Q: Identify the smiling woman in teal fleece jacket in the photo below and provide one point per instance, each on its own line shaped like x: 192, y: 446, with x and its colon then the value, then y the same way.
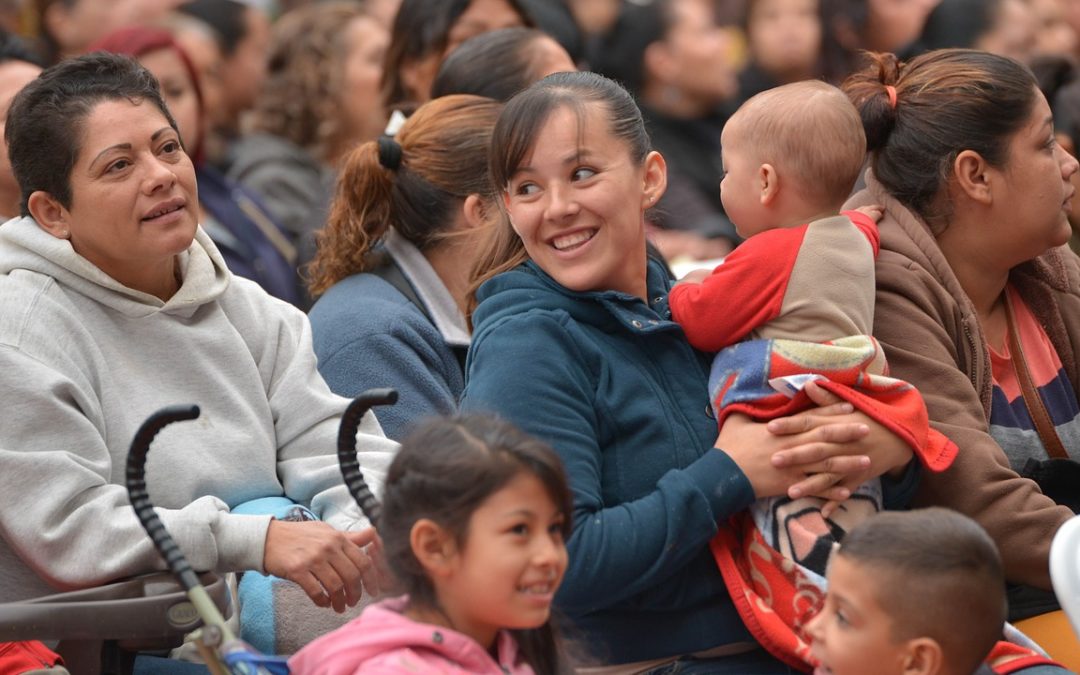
x: 611, y: 382
x: 574, y: 343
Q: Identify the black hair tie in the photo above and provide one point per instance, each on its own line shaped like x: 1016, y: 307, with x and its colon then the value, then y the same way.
x: 389, y: 152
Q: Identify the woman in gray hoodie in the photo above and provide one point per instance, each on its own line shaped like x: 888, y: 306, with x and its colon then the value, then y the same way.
x: 114, y: 303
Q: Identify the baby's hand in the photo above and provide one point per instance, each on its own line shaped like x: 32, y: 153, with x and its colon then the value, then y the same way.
x: 694, y: 277
x: 872, y: 211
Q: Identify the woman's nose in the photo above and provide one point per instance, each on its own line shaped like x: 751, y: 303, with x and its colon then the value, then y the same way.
x: 158, y: 175
x: 561, y: 202
x: 1069, y: 165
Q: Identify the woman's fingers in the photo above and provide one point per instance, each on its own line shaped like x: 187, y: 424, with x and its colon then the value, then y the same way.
x: 821, y: 444
x: 810, y: 419
x: 823, y: 485
x: 359, y: 551
x: 312, y: 587
x: 329, y: 565
x: 821, y: 396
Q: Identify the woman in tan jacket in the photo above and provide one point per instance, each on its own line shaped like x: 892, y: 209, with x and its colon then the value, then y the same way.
x: 976, y: 195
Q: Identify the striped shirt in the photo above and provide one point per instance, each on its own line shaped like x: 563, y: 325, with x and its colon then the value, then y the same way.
x: 1010, y: 422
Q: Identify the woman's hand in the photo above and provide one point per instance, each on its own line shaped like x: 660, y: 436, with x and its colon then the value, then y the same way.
x: 754, y: 447
x: 824, y: 452
x: 331, y: 566
x: 821, y: 462
x: 888, y: 454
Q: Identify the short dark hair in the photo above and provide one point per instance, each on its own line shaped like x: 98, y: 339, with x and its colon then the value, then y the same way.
x: 947, y: 101
x: 939, y: 575
x: 45, y: 123
x: 226, y: 17
x: 497, y: 65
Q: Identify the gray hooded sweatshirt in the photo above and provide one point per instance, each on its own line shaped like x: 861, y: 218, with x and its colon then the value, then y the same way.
x: 84, y: 360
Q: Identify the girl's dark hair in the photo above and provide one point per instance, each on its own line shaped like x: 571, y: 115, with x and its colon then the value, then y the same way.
x: 947, y: 101
x: 497, y: 65
x: 443, y: 159
x: 516, y: 134
x: 421, y: 28
x: 45, y: 123
x: 446, y: 469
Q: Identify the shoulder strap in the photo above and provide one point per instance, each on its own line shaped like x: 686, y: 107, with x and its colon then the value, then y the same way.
x: 392, y: 274
x: 1039, y: 415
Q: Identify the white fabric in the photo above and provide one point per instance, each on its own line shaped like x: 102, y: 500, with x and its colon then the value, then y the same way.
x: 444, y: 310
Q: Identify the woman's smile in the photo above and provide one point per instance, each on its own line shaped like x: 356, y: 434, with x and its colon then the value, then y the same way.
x: 573, y: 241
x: 578, y: 202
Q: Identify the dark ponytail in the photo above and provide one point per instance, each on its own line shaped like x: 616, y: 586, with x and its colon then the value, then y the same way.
x: 947, y: 101
x: 868, y: 90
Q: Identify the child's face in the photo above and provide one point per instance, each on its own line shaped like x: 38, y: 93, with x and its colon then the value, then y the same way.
x: 513, y: 560
x: 740, y: 189
x: 853, y: 632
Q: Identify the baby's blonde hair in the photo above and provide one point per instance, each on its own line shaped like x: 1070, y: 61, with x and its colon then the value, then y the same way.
x: 808, y: 130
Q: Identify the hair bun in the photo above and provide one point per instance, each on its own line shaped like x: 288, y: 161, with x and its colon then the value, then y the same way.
x: 874, y: 92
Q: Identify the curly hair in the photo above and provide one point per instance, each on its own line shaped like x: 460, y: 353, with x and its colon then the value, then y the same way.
x: 444, y: 155
x: 299, y: 101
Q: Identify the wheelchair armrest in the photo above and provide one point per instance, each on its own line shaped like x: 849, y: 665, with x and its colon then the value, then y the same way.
x: 148, y: 608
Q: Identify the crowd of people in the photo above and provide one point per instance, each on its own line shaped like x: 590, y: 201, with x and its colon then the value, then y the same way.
x: 847, y: 446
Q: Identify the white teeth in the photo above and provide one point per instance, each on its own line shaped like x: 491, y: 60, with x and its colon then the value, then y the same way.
x: 158, y: 214
x: 538, y: 589
x: 567, y: 241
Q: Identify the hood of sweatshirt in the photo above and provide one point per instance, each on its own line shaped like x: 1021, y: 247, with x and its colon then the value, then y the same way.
x: 383, y: 632
x: 25, y: 246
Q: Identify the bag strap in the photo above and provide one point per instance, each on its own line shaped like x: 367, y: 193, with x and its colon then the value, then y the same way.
x: 389, y: 272
x: 1043, y: 424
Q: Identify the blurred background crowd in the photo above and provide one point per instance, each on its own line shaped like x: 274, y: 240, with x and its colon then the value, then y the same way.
x: 271, y: 95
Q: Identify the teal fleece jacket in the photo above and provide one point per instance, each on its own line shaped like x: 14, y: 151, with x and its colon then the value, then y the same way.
x: 612, y: 384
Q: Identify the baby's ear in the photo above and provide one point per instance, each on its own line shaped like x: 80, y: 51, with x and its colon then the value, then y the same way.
x: 433, y: 546
x: 768, y: 183
x: 923, y: 656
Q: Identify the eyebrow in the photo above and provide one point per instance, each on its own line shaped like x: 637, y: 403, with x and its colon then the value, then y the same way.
x: 520, y: 512
x: 569, y: 159
x: 127, y: 146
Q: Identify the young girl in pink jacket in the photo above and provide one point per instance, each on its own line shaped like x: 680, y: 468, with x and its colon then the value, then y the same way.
x: 473, y: 524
